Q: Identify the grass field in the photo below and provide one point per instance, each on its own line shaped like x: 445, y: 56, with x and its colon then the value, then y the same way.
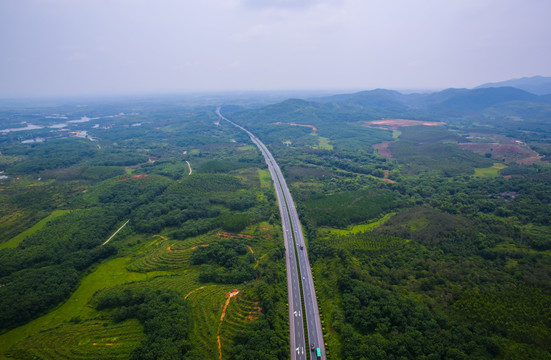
x: 354, y: 229
x: 323, y: 143
x: 14, y: 242
x: 247, y: 147
x: 491, y: 171
x: 265, y: 178
x: 367, y: 242
x: 76, y: 330
x: 110, y: 273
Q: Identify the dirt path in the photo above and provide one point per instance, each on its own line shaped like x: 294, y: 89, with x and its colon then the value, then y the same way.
x: 230, y: 295
x: 255, y: 259
x: 301, y: 125
x: 192, y: 291
x: 233, y: 236
x: 115, y: 233
x: 189, y: 165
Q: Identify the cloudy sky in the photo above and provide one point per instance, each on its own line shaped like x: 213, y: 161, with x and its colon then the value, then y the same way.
x: 84, y: 47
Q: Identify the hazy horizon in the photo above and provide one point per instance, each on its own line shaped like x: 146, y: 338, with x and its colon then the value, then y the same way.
x: 122, y: 47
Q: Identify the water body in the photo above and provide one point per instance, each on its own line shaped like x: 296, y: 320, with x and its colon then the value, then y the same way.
x: 54, y: 126
x: 28, y: 127
x: 65, y: 124
x: 82, y: 120
x: 35, y: 140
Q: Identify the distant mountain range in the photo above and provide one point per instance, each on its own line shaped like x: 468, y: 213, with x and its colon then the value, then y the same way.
x: 449, y: 101
x: 533, y: 89
x: 539, y: 85
x: 500, y: 105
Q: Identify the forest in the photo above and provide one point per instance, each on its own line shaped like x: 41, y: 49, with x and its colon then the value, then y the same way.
x: 432, y: 247
x: 151, y: 230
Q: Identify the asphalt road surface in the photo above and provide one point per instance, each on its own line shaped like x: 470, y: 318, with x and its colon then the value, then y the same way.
x: 297, y: 276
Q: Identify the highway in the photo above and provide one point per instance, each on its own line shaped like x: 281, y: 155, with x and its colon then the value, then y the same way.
x: 297, y: 277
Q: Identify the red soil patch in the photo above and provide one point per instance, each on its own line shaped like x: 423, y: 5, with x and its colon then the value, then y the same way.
x: 169, y: 249
x: 265, y: 231
x: 192, y: 291
x: 512, y: 152
x: 305, y: 125
x: 229, y: 296
x: 233, y: 236
x: 529, y: 160
x: 383, y: 150
x: 396, y: 123
x: 195, y: 247
x: 257, y: 310
x: 135, y: 177
x: 386, y: 179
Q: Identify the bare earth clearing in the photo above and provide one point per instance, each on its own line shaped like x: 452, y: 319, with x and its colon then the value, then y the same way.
x: 509, y: 152
x: 396, y: 123
x: 383, y: 150
x: 295, y: 124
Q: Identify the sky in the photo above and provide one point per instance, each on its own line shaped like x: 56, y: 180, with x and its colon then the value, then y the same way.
x: 103, y: 47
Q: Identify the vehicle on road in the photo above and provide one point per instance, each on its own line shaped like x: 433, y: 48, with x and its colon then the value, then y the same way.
x: 296, y: 263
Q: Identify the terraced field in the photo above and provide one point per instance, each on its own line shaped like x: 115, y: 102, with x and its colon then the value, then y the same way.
x: 207, y: 303
x: 239, y: 312
x: 165, y: 254
x: 94, y: 339
x: 81, y: 332
x: 75, y: 315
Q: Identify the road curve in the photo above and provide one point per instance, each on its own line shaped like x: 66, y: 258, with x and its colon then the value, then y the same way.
x: 295, y: 250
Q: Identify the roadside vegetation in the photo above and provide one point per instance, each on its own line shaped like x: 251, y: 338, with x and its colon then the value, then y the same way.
x: 167, y: 285
x: 428, y: 232
x: 463, y: 247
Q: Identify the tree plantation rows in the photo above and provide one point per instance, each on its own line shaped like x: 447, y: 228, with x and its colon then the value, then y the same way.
x: 426, y: 241
x: 448, y: 257
x: 100, y: 185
